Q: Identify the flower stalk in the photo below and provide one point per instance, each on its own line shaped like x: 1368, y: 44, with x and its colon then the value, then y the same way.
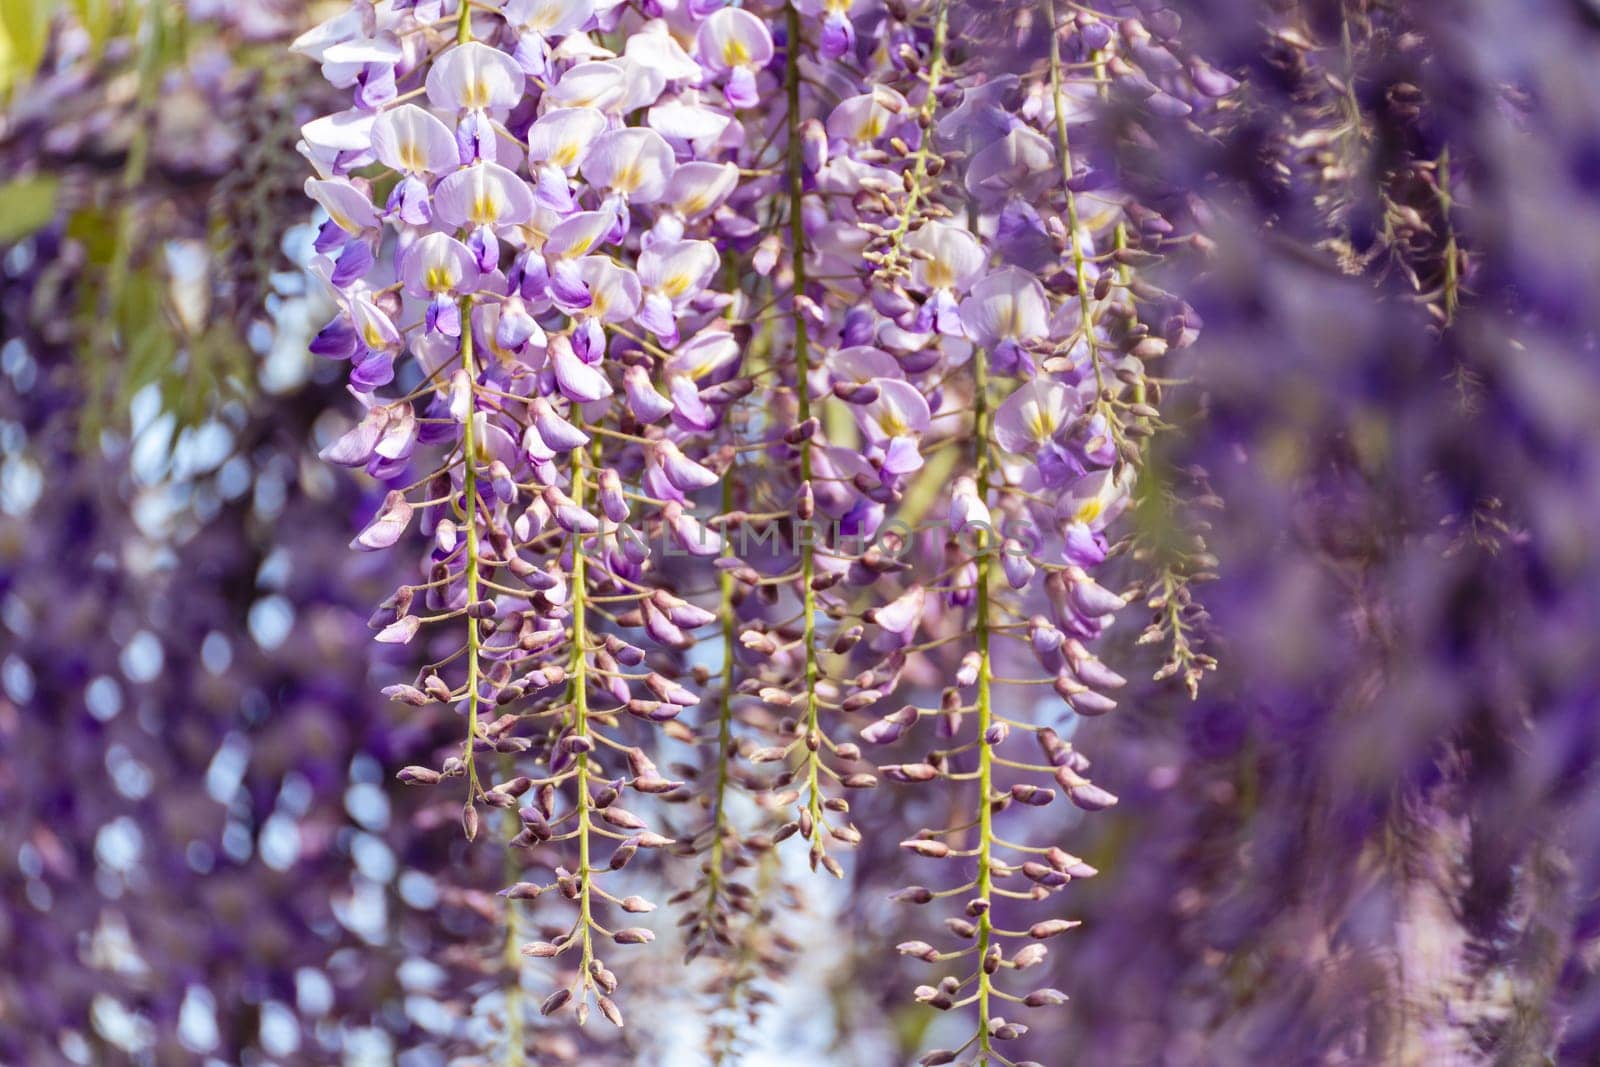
x: 981, y: 431
x: 812, y: 740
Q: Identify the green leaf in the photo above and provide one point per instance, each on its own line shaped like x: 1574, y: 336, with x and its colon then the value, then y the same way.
x: 96, y: 230
x: 29, y: 203
x: 148, y: 344
x: 24, y: 33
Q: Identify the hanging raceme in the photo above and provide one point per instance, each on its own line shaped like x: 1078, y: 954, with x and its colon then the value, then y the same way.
x: 676, y: 329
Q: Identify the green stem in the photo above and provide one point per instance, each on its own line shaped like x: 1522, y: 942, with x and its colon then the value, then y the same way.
x: 1452, y: 273
x: 919, y: 164
x: 516, y: 1047
x: 1080, y: 262
x: 981, y: 430
x: 580, y: 707
x: 802, y: 358
x: 724, y: 717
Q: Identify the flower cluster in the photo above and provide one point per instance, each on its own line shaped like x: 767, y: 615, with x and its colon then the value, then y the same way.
x: 686, y: 314
x: 546, y: 266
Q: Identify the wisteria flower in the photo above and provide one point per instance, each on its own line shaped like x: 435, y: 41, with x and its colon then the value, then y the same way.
x: 709, y: 358
x: 632, y: 165
x: 577, y: 380
x: 600, y: 85
x: 1005, y: 311
x: 473, y: 80
x: 348, y: 208
x: 1034, y: 420
x: 869, y: 116
x: 1086, y: 507
x: 1021, y: 165
x: 854, y: 372
x: 614, y: 297
x: 440, y: 268
x: 672, y: 276
x: 838, y: 35
x: 486, y: 197
x: 415, y: 143
x: 736, y: 43
x: 558, y: 141
x: 539, y: 22
x: 950, y: 260
x: 695, y: 190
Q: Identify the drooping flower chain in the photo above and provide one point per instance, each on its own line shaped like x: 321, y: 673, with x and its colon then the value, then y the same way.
x: 955, y: 305
x: 622, y: 276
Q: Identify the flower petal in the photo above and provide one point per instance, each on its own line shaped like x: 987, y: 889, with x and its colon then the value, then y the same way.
x: 484, y: 194
x: 632, y: 161
x: 562, y: 137
x: 349, y: 208
x: 413, y: 141
x: 475, y: 77
x: 579, y: 382
x: 1033, y: 416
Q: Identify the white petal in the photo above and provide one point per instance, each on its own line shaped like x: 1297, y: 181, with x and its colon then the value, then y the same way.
x: 485, y: 194
x: 549, y: 18
x: 699, y: 187
x: 688, y: 122
x: 733, y: 37
x: 615, y: 290
x: 957, y: 258
x: 346, y: 205
x: 865, y: 117
x: 317, y: 40
x: 343, y: 131
x: 679, y: 271
x: 633, y: 161
x: 412, y: 140
x: 563, y: 136
x: 599, y: 85
x: 654, y: 46
x: 473, y: 76
x: 578, y: 234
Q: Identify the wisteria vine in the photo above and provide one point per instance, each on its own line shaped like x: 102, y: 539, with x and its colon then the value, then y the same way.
x: 817, y: 595
x: 743, y: 373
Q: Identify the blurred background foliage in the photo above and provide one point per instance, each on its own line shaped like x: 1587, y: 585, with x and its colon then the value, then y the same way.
x: 158, y: 139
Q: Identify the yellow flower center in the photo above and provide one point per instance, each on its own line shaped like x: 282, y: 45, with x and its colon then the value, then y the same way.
x: 484, y: 208
x: 628, y: 178
x: 439, y: 280
x: 1012, y: 319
